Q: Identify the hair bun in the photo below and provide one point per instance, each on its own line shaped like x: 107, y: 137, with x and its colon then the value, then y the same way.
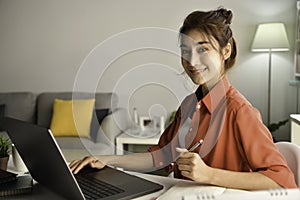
x: 226, y: 14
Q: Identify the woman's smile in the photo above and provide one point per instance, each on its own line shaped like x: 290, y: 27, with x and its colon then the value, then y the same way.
x: 201, y: 58
x: 198, y: 71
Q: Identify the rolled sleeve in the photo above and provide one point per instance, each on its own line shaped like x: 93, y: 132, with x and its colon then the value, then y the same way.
x: 163, y: 154
x: 258, y: 148
x: 159, y: 157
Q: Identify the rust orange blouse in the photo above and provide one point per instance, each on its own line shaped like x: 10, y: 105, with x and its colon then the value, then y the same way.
x: 234, y: 135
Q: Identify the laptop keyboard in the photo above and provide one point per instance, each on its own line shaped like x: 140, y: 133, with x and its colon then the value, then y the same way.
x: 95, y: 189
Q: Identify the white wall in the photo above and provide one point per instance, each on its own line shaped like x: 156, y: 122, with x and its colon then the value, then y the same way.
x: 44, y: 44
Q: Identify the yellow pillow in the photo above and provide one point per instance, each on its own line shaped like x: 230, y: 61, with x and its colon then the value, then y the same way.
x: 72, y: 117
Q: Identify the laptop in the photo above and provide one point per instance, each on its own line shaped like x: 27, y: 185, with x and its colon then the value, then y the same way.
x: 47, y: 165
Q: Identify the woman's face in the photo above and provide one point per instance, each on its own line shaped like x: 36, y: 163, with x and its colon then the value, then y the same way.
x: 201, y: 58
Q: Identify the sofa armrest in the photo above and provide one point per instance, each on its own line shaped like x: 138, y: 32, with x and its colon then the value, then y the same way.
x: 113, y: 124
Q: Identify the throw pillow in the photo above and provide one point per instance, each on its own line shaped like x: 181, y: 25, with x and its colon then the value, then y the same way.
x: 101, y: 113
x: 2, y: 112
x: 72, y: 117
x: 97, y: 120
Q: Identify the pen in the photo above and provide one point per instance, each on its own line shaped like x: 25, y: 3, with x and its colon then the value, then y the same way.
x: 195, y: 145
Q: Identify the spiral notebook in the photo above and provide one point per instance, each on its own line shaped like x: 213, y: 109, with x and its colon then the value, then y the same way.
x: 190, y: 190
x: 278, y: 194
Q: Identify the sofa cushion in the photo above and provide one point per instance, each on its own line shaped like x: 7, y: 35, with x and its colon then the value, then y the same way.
x: 72, y: 117
x: 19, y: 105
x: 45, y: 103
x: 76, y: 143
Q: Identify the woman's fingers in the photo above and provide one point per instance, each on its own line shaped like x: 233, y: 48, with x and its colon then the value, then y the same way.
x: 181, y: 150
x: 183, y: 153
x: 187, y: 163
x: 183, y: 160
x: 77, y: 165
x: 73, y: 163
x: 184, y: 167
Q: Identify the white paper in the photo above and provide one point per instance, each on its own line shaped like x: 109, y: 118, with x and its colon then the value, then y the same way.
x: 185, y: 190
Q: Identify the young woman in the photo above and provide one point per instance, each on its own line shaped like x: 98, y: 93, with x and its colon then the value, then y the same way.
x: 237, y: 150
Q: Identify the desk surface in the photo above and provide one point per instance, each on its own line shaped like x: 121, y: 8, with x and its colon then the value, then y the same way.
x: 41, y: 193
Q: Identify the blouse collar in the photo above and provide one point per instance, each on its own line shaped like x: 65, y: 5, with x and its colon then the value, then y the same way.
x: 213, y: 98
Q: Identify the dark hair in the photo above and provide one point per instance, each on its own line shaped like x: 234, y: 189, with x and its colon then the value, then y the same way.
x: 215, y: 23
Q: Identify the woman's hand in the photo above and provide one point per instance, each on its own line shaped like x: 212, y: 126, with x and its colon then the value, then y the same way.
x: 192, y: 166
x: 77, y: 165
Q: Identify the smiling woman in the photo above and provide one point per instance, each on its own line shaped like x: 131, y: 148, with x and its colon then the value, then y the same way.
x: 216, y: 114
x: 205, y: 48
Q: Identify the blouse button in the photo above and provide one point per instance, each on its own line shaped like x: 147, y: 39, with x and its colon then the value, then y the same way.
x: 191, y: 129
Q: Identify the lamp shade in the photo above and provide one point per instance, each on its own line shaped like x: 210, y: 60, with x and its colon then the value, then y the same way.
x: 270, y: 37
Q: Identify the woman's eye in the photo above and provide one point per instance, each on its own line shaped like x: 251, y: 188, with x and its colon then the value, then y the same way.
x: 202, y: 50
x: 184, y: 52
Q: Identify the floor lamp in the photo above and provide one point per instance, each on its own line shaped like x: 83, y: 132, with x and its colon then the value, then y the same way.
x: 270, y: 37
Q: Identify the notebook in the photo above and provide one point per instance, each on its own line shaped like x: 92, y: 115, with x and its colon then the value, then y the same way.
x: 22, y: 185
x: 6, y: 176
x: 275, y: 194
x: 191, y: 190
x: 188, y: 190
x: 46, y: 164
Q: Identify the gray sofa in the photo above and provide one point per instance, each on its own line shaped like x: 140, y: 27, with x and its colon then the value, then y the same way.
x: 37, y: 108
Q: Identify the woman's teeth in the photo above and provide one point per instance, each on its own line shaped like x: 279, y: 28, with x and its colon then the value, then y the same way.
x: 198, y: 70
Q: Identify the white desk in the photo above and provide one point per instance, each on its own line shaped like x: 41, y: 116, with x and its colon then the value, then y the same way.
x: 295, y: 128
x: 42, y: 193
x: 128, y: 139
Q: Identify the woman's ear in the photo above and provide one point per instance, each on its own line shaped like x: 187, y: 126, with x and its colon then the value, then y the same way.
x: 226, y: 51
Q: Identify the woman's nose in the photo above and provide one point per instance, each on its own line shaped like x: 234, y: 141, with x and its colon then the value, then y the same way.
x: 194, y: 59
